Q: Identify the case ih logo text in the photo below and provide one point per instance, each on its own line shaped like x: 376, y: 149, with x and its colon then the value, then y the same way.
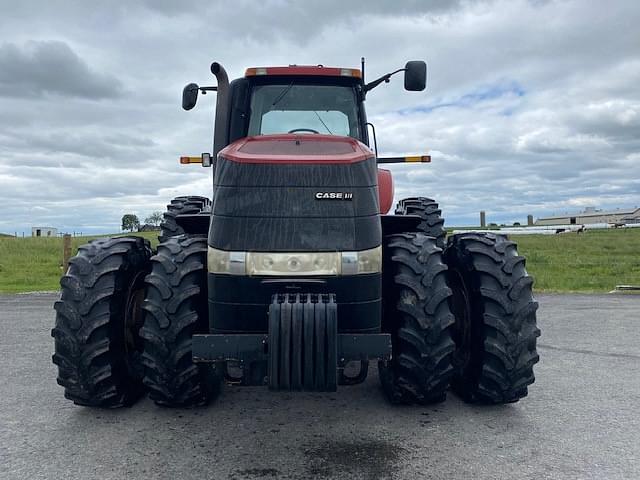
x: 334, y: 196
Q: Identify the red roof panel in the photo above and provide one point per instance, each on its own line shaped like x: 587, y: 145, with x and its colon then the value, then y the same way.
x: 314, y: 70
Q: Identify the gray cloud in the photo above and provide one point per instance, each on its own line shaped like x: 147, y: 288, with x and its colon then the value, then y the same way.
x: 38, y: 68
x: 532, y: 106
x: 103, y: 148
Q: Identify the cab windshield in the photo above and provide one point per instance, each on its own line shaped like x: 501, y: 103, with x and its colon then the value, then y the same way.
x: 298, y: 108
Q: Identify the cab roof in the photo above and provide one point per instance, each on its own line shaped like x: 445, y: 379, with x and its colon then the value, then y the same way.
x: 305, y: 70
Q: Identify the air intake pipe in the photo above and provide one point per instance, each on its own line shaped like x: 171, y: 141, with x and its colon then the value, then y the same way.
x: 221, y: 130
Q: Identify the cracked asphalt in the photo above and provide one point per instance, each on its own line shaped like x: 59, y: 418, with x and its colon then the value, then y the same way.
x: 580, y: 421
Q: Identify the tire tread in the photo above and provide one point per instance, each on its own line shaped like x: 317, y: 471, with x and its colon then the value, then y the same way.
x: 417, y: 315
x: 89, y: 350
x: 179, y: 206
x: 504, y: 307
x: 432, y: 223
x: 175, y: 309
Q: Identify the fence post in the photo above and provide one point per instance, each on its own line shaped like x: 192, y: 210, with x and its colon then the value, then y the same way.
x: 66, y: 252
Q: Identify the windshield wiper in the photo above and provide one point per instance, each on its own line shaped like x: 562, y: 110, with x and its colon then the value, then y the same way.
x: 282, y: 94
x: 321, y: 121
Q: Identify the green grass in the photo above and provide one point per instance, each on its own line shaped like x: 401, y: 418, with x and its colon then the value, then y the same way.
x: 594, y: 261
x: 590, y: 262
x: 33, y: 264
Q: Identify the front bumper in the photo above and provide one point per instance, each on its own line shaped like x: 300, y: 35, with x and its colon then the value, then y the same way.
x: 303, y: 349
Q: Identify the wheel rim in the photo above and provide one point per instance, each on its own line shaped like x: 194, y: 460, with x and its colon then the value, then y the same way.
x: 461, y: 309
x: 133, y: 320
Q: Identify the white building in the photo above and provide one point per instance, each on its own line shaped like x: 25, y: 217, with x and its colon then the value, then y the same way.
x: 44, y: 232
x: 591, y: 215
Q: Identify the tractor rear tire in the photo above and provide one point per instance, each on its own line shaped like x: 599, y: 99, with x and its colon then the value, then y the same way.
x: 97, y: 347
x: 416, y: 314
x: 179, y: 206
x: 495, y: 312
x: 432, y: 223
x: 175, y: 308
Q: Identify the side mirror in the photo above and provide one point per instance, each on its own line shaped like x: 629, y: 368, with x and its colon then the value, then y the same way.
x: 415, y: 76
x: 190, y: 96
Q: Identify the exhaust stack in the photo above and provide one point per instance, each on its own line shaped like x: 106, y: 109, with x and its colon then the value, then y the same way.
x: 221, y: 130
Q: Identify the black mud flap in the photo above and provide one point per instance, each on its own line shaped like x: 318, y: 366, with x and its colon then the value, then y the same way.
x: 303, y: 342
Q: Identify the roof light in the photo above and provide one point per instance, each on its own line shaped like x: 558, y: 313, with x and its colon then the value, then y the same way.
x: 350, y: 72
x: 306, y: 70
x: 251, y: 72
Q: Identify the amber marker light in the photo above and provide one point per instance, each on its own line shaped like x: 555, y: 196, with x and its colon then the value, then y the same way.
x: 188, y: 160
x: 418, y: 158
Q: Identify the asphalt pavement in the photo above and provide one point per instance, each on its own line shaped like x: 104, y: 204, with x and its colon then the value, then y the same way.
x: 581, y: 419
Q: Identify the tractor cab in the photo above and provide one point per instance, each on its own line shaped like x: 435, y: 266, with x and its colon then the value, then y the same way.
x: 301, y: 100
x: 295, y: 100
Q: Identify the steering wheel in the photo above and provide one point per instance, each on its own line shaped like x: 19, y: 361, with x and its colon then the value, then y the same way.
x: 310, y: 130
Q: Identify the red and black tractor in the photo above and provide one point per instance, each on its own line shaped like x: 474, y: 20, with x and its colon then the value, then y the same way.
x: 294, y: 270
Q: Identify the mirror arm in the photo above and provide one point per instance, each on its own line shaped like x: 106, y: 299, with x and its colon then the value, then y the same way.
x: 378, y: 81
x: 204, y: 90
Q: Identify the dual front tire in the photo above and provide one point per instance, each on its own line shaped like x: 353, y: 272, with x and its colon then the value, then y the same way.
x: 125, y: 321
x: 105, y: 357
x: 463, y: 317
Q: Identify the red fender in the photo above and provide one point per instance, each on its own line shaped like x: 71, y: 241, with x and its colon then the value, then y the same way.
x: 385, y: 190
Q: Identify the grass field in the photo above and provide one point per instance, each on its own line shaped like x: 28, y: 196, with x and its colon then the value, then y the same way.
x: 594, y: 261
x: 34, y: 264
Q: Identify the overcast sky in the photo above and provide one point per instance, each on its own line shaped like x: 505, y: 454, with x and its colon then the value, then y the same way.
x: 531, y: 106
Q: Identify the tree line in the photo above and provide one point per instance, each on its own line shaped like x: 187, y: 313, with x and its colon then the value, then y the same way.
x: 131, y: 222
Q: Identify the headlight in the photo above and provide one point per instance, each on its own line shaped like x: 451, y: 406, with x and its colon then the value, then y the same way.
x: 321, y: 263
x: 295, y: 264
x: 221, y: 261
x: 365, y: 261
